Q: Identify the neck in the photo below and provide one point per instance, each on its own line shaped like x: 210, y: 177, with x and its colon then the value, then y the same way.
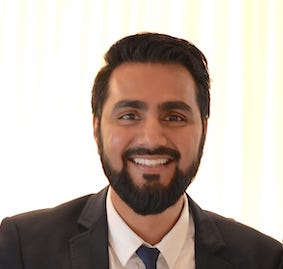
x: 151, y: 228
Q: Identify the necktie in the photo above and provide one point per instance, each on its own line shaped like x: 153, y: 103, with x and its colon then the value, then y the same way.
x: 148, y: 256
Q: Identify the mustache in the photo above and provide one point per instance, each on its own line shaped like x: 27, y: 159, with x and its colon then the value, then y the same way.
x: 174, y: 154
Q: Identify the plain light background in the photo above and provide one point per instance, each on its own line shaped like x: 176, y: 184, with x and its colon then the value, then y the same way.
x: 50, y: 51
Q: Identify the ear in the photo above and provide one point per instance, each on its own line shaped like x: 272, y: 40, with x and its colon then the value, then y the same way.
x: 204, y: 124
x: 95, y: 122
x: 204, y: 129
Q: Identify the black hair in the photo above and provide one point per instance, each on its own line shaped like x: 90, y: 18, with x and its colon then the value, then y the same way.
x: 155, y: 48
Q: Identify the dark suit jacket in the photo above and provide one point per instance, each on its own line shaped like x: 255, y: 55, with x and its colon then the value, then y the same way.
x: 75, y: 235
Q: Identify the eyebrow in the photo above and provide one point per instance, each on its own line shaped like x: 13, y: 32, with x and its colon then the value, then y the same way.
x: 142, y: 105
x: 130, y: 103
x: 175, y: 105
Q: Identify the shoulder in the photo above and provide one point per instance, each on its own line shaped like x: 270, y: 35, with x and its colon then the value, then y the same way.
x: 47, y: 221
x: 70, y: 210
x: 244, y: 241
x: 30, y: 235
x: 63, y: 217
x: 234, y: 241
x: 229, y: 228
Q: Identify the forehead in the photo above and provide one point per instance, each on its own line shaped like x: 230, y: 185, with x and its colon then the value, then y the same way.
x: 152, y: 83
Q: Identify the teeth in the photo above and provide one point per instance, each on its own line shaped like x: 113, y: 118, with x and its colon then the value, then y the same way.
x: 148, y: 162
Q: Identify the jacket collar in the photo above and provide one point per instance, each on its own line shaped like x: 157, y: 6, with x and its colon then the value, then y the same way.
x: 89, y: 249
x: 209, y: 242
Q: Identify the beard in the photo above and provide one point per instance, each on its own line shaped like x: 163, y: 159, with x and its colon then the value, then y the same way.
x: 151, y: 198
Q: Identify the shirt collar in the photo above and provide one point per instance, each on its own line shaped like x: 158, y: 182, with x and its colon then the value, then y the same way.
x: 121, y: 238
x: 124, y: 249
x: 176, y: 237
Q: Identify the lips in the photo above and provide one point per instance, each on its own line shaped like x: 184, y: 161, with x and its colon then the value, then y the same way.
x: 151, y: 158
x: 151, y: 162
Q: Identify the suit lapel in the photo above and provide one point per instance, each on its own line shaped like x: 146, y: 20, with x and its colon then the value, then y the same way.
x: 207, y: 260
x: 208, y: 241
x: 89, y: 249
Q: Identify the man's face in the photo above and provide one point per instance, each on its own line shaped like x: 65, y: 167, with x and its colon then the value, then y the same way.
x: 150, y: 135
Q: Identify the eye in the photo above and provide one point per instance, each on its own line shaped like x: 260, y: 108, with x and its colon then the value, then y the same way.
x: 130, y: 116
x: 174, y: 118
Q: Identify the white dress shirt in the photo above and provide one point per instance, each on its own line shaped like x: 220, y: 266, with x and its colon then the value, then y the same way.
x: 176, y: 248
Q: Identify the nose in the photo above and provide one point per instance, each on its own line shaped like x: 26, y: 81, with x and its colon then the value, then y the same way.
x: 151, y: 134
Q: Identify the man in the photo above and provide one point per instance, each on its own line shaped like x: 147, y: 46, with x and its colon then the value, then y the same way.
x: 150, y: 110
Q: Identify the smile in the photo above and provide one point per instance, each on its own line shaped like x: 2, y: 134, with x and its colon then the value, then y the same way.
x: 150, y: 162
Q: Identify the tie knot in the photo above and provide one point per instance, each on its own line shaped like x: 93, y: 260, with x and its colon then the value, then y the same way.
x: 148, y: 256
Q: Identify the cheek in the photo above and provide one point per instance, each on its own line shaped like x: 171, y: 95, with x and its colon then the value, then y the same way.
x: 115, y: 143
x: 188, y: 146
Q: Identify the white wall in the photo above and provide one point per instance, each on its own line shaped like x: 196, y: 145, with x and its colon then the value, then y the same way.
x: 50, y: 52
